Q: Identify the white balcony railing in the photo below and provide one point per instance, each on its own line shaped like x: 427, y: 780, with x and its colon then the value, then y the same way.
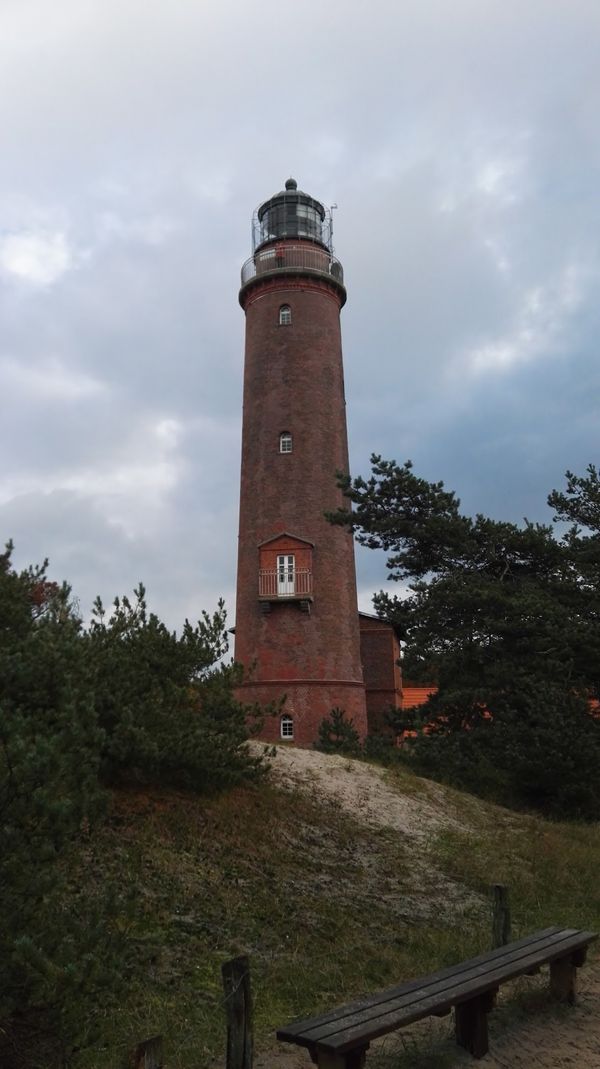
x: 284, y: 257
x: 272, y: 585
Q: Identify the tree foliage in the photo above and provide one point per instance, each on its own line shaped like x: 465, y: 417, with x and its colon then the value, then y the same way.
x: 505, y: 619
x: 125, y: 700
x: 165, y: 702
x: 337, y: 734
x: 579, y: 505
x: 50, y: 745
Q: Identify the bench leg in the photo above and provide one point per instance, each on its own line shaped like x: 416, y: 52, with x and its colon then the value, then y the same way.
x: 471, y: 1024
x: 562, y: 980
x: 352, y: 1059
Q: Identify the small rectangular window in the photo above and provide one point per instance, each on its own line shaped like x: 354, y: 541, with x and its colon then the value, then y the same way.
x: 287, y: 727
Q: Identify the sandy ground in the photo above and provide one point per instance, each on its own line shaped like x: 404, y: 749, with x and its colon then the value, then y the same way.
x: 361, y: 790
x: 530, y: 1033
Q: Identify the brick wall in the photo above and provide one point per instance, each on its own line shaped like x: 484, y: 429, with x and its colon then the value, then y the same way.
x: 380, y: 652
x: 308, y: 704
x: 293, y: 381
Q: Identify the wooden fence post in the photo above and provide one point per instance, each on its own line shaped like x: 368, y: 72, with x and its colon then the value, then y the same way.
x: 238, y: 1008
x: 148, y: 1055
x: 501, y: 933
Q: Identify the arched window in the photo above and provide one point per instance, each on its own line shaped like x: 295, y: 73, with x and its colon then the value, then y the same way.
x: 285, y: 442
x: 285, y: 315
x: 287, y: 727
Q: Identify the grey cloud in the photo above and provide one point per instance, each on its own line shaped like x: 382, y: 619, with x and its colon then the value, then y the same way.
x: 463, y: 150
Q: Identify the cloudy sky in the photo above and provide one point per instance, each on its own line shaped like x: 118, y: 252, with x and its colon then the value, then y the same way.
x: 461, y: 142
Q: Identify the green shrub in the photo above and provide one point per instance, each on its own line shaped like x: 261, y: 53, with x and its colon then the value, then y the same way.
x: 338, y: 735
x: 50, y: 745
x: 539, y: 750
x: 165, y: 702
x: 124, y: 701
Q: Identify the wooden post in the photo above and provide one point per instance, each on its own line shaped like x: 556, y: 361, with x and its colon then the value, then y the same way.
x: 148, y: 1055
x: 238, y: 1008
x: 501, y: 932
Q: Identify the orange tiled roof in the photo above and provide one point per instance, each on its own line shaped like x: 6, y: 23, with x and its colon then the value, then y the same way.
x: 416, y: 695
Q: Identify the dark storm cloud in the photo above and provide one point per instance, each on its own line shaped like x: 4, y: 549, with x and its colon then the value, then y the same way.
x: 463, y: 149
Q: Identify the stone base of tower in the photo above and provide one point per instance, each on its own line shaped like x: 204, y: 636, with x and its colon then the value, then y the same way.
x: 306, y: 705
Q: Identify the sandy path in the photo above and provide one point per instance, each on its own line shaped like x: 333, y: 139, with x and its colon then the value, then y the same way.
x: 361, y: 790
x: 536, y: 1035
x: 548, y: 1036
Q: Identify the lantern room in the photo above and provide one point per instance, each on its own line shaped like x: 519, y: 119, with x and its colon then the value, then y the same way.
x: 291, y: 214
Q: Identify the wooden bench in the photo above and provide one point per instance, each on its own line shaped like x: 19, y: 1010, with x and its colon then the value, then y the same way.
x: 339, y: 1039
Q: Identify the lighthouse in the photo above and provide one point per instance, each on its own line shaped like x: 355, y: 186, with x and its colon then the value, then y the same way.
x: 297, y: 627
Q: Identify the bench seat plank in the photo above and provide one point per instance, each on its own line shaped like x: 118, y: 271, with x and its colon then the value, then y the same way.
x: 444, y: 994
x: 299, y: 1027
x: 409, y: 1009
x: 361, y: 1021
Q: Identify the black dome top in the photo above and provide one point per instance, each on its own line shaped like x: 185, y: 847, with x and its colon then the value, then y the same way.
x: 290, y: 196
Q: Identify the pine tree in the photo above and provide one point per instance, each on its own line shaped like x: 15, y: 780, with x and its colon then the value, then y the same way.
x: 50, y: 746
x: 165, y: 702
x: 337, y: 734
x: 505, y: 620
x: 80, y: 710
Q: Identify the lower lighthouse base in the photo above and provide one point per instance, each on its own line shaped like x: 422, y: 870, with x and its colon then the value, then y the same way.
x: 306, y: 704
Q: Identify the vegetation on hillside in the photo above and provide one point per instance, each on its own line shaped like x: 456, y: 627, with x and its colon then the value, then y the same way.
x: 81, y: 709
x: 120, y: 898
x: 325, y: 907
x: 505, y: 619
x: 337, y: 734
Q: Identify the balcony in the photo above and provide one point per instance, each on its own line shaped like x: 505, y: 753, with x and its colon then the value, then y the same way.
x: 273, y: 585
x: 272, y: 259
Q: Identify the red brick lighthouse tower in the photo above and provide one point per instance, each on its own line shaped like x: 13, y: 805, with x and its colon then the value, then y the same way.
x: 297, y: 618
